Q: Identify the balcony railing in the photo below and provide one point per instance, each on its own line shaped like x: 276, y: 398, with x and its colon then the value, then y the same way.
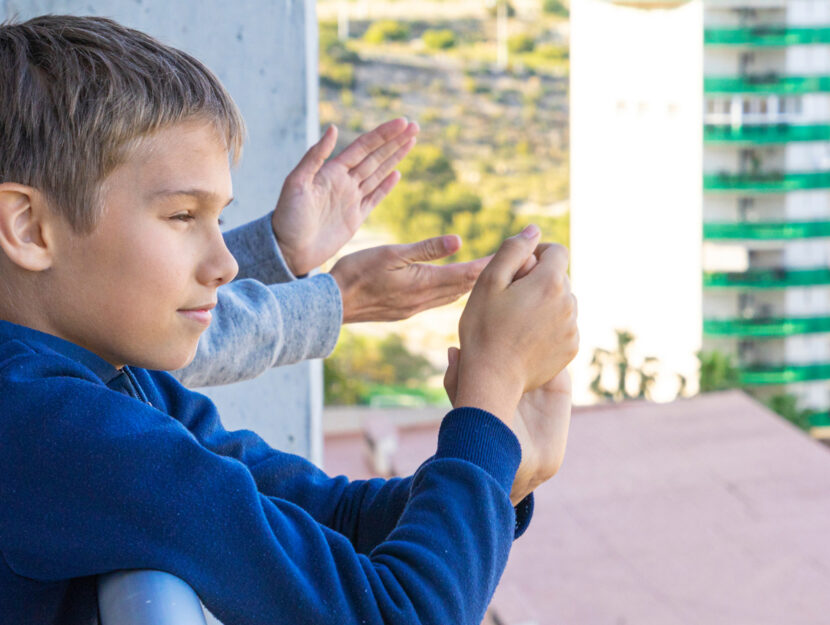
x: 766, y: 231
x: 766, y: 83
x: 762, y: 36
x: 147, y: 598
x: 765, y: 133
x: 767, y: 278
x: 766, y: 328
x: 784, y: 374
x: 766, y: 182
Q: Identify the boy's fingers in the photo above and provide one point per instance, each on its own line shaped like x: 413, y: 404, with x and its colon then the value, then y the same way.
x: 313, y: 160
x: 511, y: 256
x: 525, y: 269
x: 451, y: 376
x: 364, y: 145
x: 554, y: 255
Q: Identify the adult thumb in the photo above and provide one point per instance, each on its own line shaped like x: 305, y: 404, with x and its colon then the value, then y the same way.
x: 512, y: 256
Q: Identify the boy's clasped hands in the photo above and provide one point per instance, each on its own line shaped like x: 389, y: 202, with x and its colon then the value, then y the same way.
x: 518, y: 330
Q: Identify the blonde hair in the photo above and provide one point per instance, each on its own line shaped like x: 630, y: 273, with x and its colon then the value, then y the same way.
x: 77, y: 92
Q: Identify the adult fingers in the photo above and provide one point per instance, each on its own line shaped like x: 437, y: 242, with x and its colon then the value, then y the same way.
x: 511, y: 257
x: 317, y: 154
x: 429, y: 249
x: 367, y: 143
x: 379, y: 164
x: 374, y: 198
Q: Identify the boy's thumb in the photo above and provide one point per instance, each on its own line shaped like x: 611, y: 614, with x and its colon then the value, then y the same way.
x: 513, y: 255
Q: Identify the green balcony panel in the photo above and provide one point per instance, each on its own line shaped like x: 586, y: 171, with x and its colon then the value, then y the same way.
x: 766, y: 328
x: 766, y: 84
x: 784, y: 374
x: 763, y: 36
x: 820, y: 420
x: 767, y: 279
x: 766, y: 182
x: 765, y: 231
x: 765, y: 134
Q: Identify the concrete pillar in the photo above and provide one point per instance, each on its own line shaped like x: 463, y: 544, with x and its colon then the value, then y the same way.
x: 265, y: 52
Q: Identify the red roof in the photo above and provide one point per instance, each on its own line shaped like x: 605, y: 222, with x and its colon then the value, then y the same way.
x: 703, y: 511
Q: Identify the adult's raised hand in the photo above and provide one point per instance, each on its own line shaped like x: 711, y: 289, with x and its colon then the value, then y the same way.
x: 393, y: 282
x: 323, y: 202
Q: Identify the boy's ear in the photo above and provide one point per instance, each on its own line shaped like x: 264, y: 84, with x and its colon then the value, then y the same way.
x: 23, y: 214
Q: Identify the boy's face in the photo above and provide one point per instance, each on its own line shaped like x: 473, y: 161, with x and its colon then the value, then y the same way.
x: 138, y: 290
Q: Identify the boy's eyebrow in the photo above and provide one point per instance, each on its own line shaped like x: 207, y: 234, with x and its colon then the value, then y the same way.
x: 200, y: 194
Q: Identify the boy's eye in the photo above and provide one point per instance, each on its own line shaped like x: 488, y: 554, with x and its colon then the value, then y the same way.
x: 183, y: 217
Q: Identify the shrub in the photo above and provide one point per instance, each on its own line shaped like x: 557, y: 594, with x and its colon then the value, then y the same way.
x: 386, y: 30
x: 439, y: 39
x: 517, y: 44
x: 555, y: 7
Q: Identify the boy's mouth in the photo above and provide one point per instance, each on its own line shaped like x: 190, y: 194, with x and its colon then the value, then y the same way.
x: 199, y: 314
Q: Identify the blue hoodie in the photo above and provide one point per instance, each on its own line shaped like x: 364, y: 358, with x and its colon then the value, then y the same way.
x: 104, y: 469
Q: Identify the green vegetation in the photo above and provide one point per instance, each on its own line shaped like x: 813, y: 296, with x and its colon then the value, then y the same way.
x: 386, y: 30
x: 336, y: 60
x: 519, y: 43
x: 430, y: 201
x: 439, y: 39
x: 555, y: 7
x: 363, y: 367
x: 718, y: 372
x: 617, y: 366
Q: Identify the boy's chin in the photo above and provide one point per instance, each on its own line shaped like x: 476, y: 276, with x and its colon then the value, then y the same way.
x: 171, y: 361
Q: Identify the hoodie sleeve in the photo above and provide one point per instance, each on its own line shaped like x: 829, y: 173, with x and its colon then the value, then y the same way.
x: 93, y: 481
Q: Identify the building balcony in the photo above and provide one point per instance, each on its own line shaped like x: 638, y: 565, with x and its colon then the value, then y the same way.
x: 767, y: 278
x: 784, y: 374
x: 770, y: 83
x: 767, y: 36
x: 766, y: 231
x: 765, y: 133
x: 765, y: 328
x: 766, y: 182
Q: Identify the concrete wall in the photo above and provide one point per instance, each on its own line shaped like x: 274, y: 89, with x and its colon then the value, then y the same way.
x: 265, y: 52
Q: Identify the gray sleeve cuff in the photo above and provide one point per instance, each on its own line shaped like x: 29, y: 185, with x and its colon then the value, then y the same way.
x: 255, y: 248
x: 257, y: 326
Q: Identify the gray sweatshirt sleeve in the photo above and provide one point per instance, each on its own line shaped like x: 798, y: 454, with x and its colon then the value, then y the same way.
x: 266, y: 317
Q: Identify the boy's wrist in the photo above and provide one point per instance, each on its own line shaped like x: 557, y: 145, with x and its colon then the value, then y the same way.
x: 487, y: 389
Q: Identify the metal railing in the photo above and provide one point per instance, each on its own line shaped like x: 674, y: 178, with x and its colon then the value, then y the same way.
x: 764, y: 133
x: 147, y: 598
x: 767, y: 35
x: 766, y: 182
x: 765, y: 231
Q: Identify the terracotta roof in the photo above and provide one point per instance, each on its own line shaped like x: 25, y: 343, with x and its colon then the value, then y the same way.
x: 703, y: 511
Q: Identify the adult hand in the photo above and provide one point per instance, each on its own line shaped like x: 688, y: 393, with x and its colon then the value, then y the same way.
x: 516, y: 332
x: 541, y: 424
x: 390, y: 282
x: 323, y: 203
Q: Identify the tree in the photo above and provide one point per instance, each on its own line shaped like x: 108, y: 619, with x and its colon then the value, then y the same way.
x: 718, y: 372
x: 617, y: 365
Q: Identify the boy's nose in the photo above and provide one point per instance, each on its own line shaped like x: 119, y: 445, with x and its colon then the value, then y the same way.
x: 221, y: 267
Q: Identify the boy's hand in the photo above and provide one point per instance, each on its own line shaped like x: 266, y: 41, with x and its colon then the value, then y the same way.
x: 541, y: 425
x: 389, y: 283
x: 516, y: 333
x: 323, y: 203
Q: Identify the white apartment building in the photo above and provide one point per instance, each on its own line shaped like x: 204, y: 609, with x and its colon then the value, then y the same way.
x: 700, y: 135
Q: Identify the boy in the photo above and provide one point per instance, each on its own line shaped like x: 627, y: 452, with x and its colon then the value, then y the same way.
x: 113, y: 173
